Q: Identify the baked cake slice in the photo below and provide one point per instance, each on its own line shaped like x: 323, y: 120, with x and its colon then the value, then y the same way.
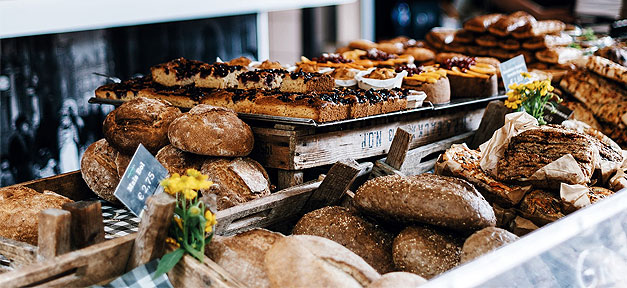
x: 178, y: 72
x: 302, y: 82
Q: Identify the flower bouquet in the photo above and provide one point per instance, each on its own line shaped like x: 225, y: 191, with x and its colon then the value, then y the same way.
x: 532, y: 97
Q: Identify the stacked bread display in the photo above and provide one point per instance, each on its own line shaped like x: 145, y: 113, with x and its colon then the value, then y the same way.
x: 201, y: 139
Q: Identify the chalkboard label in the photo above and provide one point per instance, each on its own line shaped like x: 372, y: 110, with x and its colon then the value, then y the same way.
x: 511, y: 69
x: 140, y: 180
x: 559, y: 114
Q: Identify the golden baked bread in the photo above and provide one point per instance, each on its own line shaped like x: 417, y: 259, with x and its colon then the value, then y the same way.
x: 509, y: 44
x: 212, y: 131
x: 140, y: 121
x: 269, y: 65
x: 362, y: 44
x: 236, y: 180
x: 487, y: 40
x: 517, y: 21
x: 547, y: 41
x: 485, y: 241
x: 480, y: 24
x: 559, y: 55
x: 241, y: 61
x: 420, y: 54
x: 426, y: 251
x: 438, y: 37
x: 608, y: 69
x: 583, y: 114
x: 243, y: 255
x: 392, y: 48
x: 541, y: 207
x: 463, y: 37
x: 99, y: 169
x: 381, y: 74
x: 347, y: 228
x: 19, y: 211
x: 121, y: 163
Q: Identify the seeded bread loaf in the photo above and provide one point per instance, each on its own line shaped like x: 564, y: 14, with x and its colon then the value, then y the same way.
x: 19, y: 209
x: 140, y: 121
x: 212, y: 131
x: 484, y: 241
x: 431, y: 199
x: 351, y: 231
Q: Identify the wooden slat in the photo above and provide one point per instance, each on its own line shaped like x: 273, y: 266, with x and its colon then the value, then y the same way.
x: 19, y: 253
x: 191, y: 273
x: 70, y: 185
x: 153, y: 230
x: 338, y: 180
x: 83, y: 267
x: 399, y: 148
x: 54, y: 233
x: 289, y: 178
x: 493, y: 119
x: 87, y: 226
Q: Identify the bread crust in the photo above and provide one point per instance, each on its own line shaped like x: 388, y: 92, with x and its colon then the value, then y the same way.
x: 484, y: 241
x: 100, y: 171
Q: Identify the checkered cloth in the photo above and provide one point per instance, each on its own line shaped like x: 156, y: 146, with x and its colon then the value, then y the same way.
x: 141, y: 277
x: 118, y: 222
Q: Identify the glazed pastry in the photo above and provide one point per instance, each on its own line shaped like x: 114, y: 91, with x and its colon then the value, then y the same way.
x: 540, y: 28
x: 517, y: 21
x: 547, y: 41
x: 420, y: 54
x: 241, y: 61
x: 480, y: 24
x: 470, y: 79
x: 269, y: 65
x: 362, y: 44
x: 439, y: 36
x: 509, y: 44
x: 487, y: 40
x: 559, y: 55
x: 429, y: 79
x: 463, y: 37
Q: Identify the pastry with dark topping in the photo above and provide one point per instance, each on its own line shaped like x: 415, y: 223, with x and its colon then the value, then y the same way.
x: 469, y: 78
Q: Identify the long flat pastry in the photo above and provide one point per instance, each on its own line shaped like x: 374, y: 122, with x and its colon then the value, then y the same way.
x: 516, y: 21
x: 480, y: 24
x: 547, y: 41
x: 540, y: 28
x: 559, y: 55
x: 608, y: 69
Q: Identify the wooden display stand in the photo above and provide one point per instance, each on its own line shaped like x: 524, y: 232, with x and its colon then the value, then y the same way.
x: 103, y: 261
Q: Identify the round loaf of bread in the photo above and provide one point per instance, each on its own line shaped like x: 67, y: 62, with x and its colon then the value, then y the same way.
x: 420, y: 54
x: 426, y: 251
x: 236, y: 180
x: 398, y: 279
x: 243, y: 255
x: 141, y: 120
x: 312, y: 261
x: 121, y: 163
x: 426, y: 198
x: 178, y: 161
x: 353, y: 232
x: 99, y: 169
x: 19, y: 211
x: 484, y: 241
x: 212, y: 131
x: 391, y: 48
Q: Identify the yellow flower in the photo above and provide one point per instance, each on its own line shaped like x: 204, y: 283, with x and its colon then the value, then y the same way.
x: 194, y: 211
x: 513, y: 86
x: 171, y: 241
x: 525, y: 74
x: 178, y: 221
x: 211, y: 220
x: 190, y: 194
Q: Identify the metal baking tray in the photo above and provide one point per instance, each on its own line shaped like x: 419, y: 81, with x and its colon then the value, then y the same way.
x: 310, y: 122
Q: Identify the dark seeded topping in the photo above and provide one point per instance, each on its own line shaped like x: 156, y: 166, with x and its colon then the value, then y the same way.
x: 462, y: 63
x: 377, y: 55
x: 411, y: 69
x: 184, y: 68
x: 332, y: 58
x: 306, y: 75
x: 218, y: 69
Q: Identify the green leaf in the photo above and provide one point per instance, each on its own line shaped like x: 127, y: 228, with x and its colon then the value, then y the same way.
x: 168, y: 261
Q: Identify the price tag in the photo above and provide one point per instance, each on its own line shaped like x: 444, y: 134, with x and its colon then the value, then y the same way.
x: 558, y: 115
x: 140, y: 180
x: 511, y: 69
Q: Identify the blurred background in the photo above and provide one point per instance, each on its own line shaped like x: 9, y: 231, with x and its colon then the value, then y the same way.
x: 50, y: 50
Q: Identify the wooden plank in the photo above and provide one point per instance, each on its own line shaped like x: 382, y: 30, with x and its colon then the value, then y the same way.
x: 383, y: 169
x: 54, y: 233
x: 338, y: 180
x: 191, y: 273
x: 493, y: 119
x: 70, y: 185
x: 289, y: 178
x: 87, y: 223
x: 19, y: 253
x: 328, y: 148
x: 153, y: 230
x: 264, y: 211
x: 82, y: 267
x: 399, y: 148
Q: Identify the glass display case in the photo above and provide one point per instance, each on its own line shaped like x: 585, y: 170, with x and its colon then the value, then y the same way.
x: 585, y: 249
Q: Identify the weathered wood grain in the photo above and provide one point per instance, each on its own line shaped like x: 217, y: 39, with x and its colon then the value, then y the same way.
x: 398, y: 148
x: 337, y: 181
x: 54, y: 233
x: 191, y: 273
x: 19, y: 253
x: 87, y: 226
x: 493, y: 119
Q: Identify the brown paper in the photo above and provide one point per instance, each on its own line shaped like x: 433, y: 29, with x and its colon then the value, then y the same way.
x: 576, y: 195
x: 493, y: 149
x: 521, y: 226
x: 564, y: 169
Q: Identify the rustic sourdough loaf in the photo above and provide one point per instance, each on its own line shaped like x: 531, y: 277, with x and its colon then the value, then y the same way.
x: 236, y: 180
x: 355, y: 233
x: 312, y: 261
x: 484, y: 241
x: 212, y: 131
x: 99, y: 169
x: 19, y: 209
x: 178, y: 161
x: 243, y: 255
x: 141, y: 120
x: 431, y: 199
x: 426, y: 251
x: 398, y: 279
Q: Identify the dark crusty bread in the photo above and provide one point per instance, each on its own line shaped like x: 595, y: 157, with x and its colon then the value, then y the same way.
x: 431, y: 199
x: 178, y: 161
x: 426, y: 251
x: 398, y: 279
x: 141, y: 120
x: 541, y: 207
x: 99, y: 169
x: 312, y: 261
x: 355, y: 233
x: 469, y: 86
x: 236, y: 180
x: 484, y: 241
x: 121, y: 163
x: 243, y: 255
x: 19, y: 209
x: 212, y: 131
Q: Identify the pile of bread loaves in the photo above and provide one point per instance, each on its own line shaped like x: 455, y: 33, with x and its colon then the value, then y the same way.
x: 207, y: 138
x: 424, y: 225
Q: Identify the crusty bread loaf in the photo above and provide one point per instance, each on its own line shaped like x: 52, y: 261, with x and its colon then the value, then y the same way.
x: 541, y: 207
x: 243, y: 255
x: 398, y: 280
x: 312, y: 261
x: 484, y: 241
x: 99, y: 169
x: 236, y: 180
x: 426, y: 251
x: 19, y: 209
x: 212, y: 131
x: 141, y: 120
x: 426, y: 198
x: 355, y: 233
x: 178, y: 161
x: 121, y: 163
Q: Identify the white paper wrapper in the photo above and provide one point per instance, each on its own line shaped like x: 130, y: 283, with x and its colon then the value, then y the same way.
x: 367, y: 83
x: 493, y: 149
x: 415, y: 99
x: 575, y: 195
x: 347, y: 83
x: 564, y: 168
